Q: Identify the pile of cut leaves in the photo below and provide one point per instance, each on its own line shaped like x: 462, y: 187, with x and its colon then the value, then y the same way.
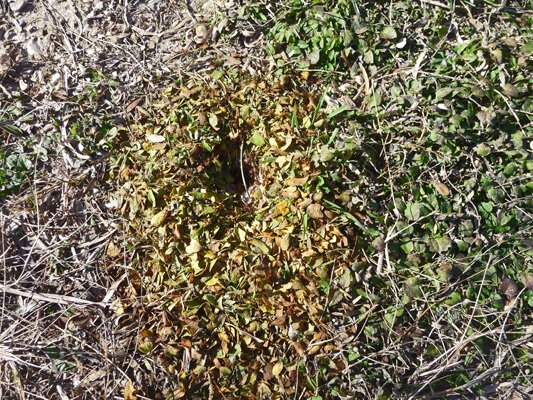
x: 245, y: 245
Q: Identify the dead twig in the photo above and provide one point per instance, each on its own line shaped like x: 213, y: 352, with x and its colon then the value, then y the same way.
x: 52, y: 298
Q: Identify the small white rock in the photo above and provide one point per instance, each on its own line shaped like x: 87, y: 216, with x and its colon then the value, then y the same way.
x: 33, y: 48
x: 17, y: 5
x: 156, y: 138
x: 55, y: 78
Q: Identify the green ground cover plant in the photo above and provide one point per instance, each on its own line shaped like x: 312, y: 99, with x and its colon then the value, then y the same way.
x: 303, y: 244
x: 352, y: 221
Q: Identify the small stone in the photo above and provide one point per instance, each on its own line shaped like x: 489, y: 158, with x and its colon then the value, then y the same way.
x: 17, y: 5
x: 201, y: 31
x: 33, y: 48
x: 55, y: 78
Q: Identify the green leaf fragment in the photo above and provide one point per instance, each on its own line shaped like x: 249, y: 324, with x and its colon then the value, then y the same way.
x: 453, y: 299
x: 326, y: 154
x: 217, y: 74
x: 527, y: 49
x: 261, y: 246
x: 389, y: 33
x: 257, y: 139
x: 11, y: 129
x: 414, y: 211
x: 440, y: 244
x: 411, y: 288
x: 408, y: 247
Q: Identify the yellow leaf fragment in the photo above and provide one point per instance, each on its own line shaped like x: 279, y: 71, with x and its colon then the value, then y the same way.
x: 241, y: 234
x: 159, y: 218
x: 129, y: 391
x: 297, y: 181
x: 113, y: 250
x: 194, y: 247
x: 224, y: 337
x: 213, y: 281
x: 273, y: 143
x: 278, y: 367
x: 286, y: 242
x: 282, y: 208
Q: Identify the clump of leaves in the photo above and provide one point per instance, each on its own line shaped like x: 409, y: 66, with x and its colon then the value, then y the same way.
x: 320, y: 35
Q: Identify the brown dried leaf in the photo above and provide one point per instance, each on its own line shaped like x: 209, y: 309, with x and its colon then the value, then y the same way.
x: 268, y: 375
x: 297, y: 181
x: 280, y: 322
x: 509, y: 288
x: 300, y: 348
x: 315, y: 211
x: 133, y: 104
x: 194, y: 247
x: 441, y: 188
x: 286, y: 242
